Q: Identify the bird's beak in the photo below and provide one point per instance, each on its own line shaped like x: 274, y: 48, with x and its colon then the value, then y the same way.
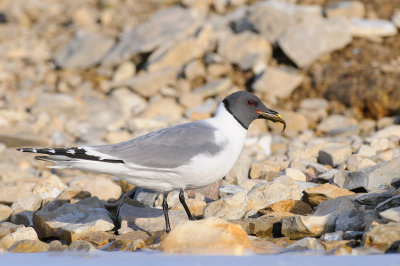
x: 273, y: 116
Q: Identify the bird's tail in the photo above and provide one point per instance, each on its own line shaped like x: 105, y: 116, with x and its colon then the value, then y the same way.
x: 67, y: 157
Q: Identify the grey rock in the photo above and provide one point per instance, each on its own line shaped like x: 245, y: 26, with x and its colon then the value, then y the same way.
x: 148, y: 219
x: 306, y: 41
x: 334, y: 154
x: 281, y: 188
x: 245, y: 49
x: 370, y: 28
x: 329, y: 175
x: 351, y: 220
x: 334, y: 123
x: 372, y: 199
x: 392, y: 214
x: 297, y: 227
x: 349, y: 235
x: 240, y: 171
x: 272, y: 18
x: 356, y: 162
x: 213, y: 88
x: 228, y: 208
x: 395, y: 182
x: 334, y: 236
x: 25, y: 218
x: 148, y: 84
x: 176, y: 53
x: 389, y: 203
x: 334, y: 206
x: 372, y: 178
x: 8, y: 228
x: 348, y: 9
x: 85, y: 50
x: 277, y: 83
x: 165, y: 25
x: 228, y: 190
x: 146, y: 196
x: 69, y: 221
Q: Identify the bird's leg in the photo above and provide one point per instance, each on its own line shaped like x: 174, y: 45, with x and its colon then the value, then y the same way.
x: 165, y: 209
x: 182, y: 200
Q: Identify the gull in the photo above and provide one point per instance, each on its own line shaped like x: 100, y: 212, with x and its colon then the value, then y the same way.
x: 185, y: 156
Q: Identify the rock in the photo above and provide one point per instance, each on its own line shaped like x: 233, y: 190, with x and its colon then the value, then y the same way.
x: 56, y: 245
x: 228, y: 208
x: 306, y: 243
x: 306, y: 41
x: 5, y: 213
x: 81, y: 245
x: 297, y: 227
x: 48, y: 187
x: 395, y: 182
x: 335, y: 123
x: 334, y: 206
x: 372, y: 199
x: 124, y: 71
x: 69, y: 221
x: 389, y: 203
x: 102, y: 188
x: 29, y: 246
x: 317, y: 195
x: 85, y: 50
x: 165, y: 25
x: 136, y: 235
x: 193, y: 71
x: 265, y: 170
x: 295, y: 174
x: 370, y: 28
x: 349, y: 235
x: 355, y: 162
x: 245, y: 49
x: 335, y: 236
x: 396, y: 19
x: 351, y: 220
x: 387, y: 132
x: 148, y: 219
x: 202, y: 111
x: 99, y: 238
x: 31, y: 203
x: 8, y: 228
x: 176, y: 53
x: 229, y: 190
x: 214, y: 236
x: 264, y: 247
x: 146, y: 196
x: 334, y: 154
x: 156, y: 109
x: 281, y: 188
x: 372, y: 178
x: 366, y: 151
x: 23, y: 233
x: 272, y: 18
x: 125, y: 245
x: 277, y: 83
x: 148, y: 84
x: 213, y: 88
x: 295, y: 121
x: 392, y: 214
x: 348, y: 9
x: 291, y: 206
x: 240, y: 170
x: 382, y: 236
x: 11, y: 192
x: 264, y: 226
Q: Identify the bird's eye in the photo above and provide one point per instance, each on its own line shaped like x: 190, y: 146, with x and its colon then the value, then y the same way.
x: 250, y: 102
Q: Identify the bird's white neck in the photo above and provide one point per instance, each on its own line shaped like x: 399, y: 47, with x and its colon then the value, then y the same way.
x: 225, y: 122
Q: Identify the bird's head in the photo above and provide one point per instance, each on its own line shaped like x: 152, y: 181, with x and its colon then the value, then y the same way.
x: 246, y: 107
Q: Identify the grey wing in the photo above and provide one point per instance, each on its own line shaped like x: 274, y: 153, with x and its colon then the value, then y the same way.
x: 166, y: 148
